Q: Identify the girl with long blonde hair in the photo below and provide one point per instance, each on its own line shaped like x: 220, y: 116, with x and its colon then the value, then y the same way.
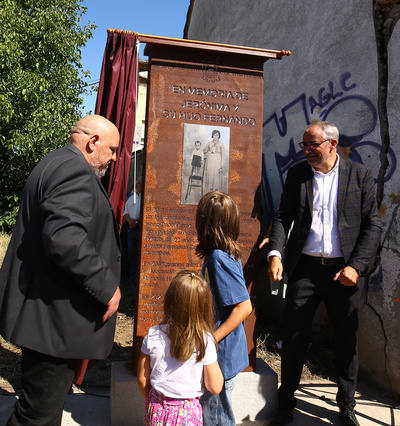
x: 179, y: 355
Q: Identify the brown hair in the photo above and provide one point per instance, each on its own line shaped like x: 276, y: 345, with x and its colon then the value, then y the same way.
x: 217, y: 224
x: 189, y: 315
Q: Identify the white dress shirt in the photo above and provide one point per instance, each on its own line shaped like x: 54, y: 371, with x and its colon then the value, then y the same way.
x: 323, y: 238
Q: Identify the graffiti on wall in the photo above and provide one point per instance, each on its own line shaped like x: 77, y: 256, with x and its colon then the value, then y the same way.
x: 355, y: 115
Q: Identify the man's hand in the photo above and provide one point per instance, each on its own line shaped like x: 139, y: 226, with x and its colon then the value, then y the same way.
x: 275, y: 269
x: 347, y: 276
x: 131, y: 222
x: 112, y: 305
x: 263, y: 242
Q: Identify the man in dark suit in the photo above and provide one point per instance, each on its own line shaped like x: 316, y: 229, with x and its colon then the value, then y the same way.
x: 59, y: 284
x: 328, y: 226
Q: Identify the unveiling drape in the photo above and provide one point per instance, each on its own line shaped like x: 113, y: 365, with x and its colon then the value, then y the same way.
x: 116, y: 100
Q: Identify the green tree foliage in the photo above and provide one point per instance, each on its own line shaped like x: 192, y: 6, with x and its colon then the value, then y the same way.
x: 41, y: 87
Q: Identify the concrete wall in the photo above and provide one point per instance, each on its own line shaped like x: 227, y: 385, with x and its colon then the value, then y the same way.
x: 345, y: 68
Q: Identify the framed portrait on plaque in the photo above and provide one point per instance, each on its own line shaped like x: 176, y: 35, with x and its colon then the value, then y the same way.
x: 205, y: 165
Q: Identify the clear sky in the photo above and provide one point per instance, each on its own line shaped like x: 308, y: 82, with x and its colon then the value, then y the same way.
x: 156, y: 17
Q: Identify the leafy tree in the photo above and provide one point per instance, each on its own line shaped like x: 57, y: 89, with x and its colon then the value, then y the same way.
x: 41, y: 87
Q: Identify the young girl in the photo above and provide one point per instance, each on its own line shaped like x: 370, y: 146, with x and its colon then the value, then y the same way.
x: 177, y: 354
x: 217, y: 224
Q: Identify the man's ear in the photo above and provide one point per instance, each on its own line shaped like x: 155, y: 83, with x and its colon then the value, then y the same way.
x: 334, y: 143
x: 90, y: 146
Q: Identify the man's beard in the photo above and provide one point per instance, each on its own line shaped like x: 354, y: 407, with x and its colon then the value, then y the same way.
x: 100, y: 171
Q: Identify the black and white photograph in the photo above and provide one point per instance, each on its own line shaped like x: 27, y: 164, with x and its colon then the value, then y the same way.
x: 205, y: 165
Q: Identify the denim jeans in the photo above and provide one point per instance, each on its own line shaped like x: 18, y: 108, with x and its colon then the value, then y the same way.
x: 217, y: 409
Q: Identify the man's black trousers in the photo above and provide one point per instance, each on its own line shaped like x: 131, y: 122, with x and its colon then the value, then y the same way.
x: 311, y: 283
x: 46, y: 382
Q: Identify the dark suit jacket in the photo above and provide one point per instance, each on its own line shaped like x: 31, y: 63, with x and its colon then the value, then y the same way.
x: 358, y: 222
x: 62, y: 265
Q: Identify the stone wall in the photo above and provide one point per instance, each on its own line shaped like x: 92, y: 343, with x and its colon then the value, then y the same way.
x: 345, y: 68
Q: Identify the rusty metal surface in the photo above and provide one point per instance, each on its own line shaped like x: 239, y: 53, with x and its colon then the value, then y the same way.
x: 168, y: 230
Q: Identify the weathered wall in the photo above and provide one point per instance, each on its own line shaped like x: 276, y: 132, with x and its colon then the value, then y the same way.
x: 345, y: 68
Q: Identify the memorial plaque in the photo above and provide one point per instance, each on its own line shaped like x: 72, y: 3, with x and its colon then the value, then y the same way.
x: 204, y: 132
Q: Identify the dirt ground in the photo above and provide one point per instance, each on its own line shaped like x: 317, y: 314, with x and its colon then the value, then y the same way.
x: 319, y: 364
x: 99, y: 375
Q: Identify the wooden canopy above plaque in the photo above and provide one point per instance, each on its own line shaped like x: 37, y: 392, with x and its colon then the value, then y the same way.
x: 203, y: 132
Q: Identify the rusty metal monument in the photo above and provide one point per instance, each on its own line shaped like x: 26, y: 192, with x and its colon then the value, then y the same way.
x: 196, y: 88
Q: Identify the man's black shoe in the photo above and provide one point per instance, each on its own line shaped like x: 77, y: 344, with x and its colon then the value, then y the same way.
x: 282, y: 417
x: 348, y: 417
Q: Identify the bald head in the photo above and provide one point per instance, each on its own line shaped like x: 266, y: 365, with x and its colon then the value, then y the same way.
x: 98, y: 139
x: 93, y: 124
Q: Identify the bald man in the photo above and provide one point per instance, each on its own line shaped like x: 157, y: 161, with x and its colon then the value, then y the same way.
x: 59, y: 284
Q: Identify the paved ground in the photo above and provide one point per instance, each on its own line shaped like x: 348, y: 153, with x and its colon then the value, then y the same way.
x: 86, y: 409
x: 316, y: 407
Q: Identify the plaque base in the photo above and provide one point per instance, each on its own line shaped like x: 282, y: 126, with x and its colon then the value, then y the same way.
x: 254, y: 396
x: 126, y: 401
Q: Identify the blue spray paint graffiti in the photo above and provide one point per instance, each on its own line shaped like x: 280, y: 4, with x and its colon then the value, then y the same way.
x: 325, y: 96
x: 330, y: 103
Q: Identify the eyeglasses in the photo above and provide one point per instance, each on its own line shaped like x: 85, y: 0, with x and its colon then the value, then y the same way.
x: 304, y: 145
